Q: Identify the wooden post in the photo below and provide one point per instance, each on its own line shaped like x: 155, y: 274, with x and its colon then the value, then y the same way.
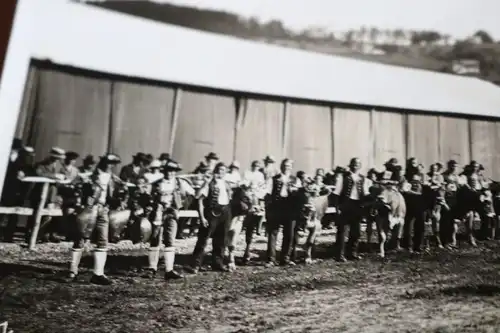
x: 38, y: 216
x: 284, y: 147
x: 175, y: 116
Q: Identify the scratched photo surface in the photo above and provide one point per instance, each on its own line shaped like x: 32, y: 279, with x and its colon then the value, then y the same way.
x: 253, y: 166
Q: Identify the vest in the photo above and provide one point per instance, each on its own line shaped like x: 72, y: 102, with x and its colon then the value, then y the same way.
x: 175, y: 193
x: 213, y: 193
x: 277, y: 187
x: 349, y: 185
x: 473, y: 181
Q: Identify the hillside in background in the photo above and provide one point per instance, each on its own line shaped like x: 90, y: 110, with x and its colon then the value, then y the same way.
x: 478, y: 55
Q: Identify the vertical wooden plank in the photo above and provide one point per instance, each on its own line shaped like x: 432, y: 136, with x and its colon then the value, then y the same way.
x: 389, y: 138
x: 423, y: 138
x: 454, y: 139
x: 286, y: 128
x: 175, y: 116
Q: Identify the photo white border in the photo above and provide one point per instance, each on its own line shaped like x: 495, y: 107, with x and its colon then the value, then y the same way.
x: 15, y: 72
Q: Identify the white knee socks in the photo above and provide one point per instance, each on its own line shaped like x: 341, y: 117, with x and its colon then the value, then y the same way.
x: 154, y: 257
x: 100, y: 256
x: 169, y: 254
x: 76, y: 256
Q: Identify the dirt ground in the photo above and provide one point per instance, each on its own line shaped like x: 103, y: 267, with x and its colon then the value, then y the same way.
x: 441, y: 291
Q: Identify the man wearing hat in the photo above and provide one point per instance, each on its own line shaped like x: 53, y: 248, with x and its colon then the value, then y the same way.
x: 255, y: 179
x: 15, y: 191
x: 153, y: 173
x: 88, y: 164
x: 234, y: 176
x: 135, y: 170
x: 168, y: 196
x: 68, y: 167
x: 105, y: 182
x: 351, y: 189
x: 469, y: 198
x: 49, y: 168
x: 215, y: 215
x: 269, y: 170
x: 280, y: 212
x: 164, y: 158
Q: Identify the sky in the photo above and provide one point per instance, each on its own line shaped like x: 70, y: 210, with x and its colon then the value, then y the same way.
x: 458, y: 18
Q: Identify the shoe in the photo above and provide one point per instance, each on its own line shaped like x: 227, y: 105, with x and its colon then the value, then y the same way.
x: 173, y: 275
x: 71, y: 277
x: 287, y: 262
x: 355, y: 257
x: 149, y: 273
x: 220, y: 268
x: 102, y: 280
x: 341, y: 259
x: 192, y: 270
x: 270, y: 264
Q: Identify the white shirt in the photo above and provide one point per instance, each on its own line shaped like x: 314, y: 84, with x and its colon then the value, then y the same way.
x: 167, y: 188
x: 223, y: 198
x: 233, y: 177
x: 354, y: 193
x: 256, y: 181
x: 103, y: 180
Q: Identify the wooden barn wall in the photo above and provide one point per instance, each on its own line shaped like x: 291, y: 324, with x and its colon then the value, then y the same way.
x: 484, y: 144
x: 205, y: 123
x: 309, y: 136
x: 71, y: 112
x: 454, y: 141
x: 91, y: 115
x: 389, y: 137
x: 423, y: 138
x: 352, y: 137
x: 25, y: 118
x: 496, y: 168
x: 141, y: 119
x: 259, y: 131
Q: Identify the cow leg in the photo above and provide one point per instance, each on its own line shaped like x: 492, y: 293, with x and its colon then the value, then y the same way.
x: 311, y: 239
x: 382, y: 236
x: 469, y: 226
x: 369, y: 231
x: 251, y: 222
x: 436, y: 228
x: 232, y: 238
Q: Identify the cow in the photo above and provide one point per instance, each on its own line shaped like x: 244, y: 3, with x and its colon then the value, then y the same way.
x: 312, y: 204
x: 245, y: 207
x: 388, y: 208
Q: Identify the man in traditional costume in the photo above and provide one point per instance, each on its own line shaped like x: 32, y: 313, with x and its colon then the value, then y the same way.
x: 281, y: 213
x: 215, y: 214
x: 167, y: 194
x: 255, y: 179
x: 103, y: 184
x: 351, y: 189
x: 234, y: 175
x: 15, y: 191
x: 135, y: 170
x: 416, y: 206
x: 88, y: 164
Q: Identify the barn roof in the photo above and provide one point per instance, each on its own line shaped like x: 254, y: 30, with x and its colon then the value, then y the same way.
x: 102, y: 40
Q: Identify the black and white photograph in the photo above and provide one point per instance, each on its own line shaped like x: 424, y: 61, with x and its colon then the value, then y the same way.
x: 251, y: 166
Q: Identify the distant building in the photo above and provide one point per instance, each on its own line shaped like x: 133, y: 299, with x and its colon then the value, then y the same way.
x: 466, y: 67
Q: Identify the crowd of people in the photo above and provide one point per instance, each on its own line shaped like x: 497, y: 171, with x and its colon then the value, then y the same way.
x: 156, y: 192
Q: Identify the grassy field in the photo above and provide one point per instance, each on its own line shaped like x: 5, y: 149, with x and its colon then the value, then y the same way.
x: 445, y: 291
